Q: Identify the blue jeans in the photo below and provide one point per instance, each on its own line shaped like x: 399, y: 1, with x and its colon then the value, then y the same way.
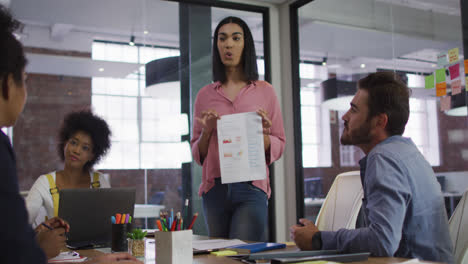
x: 236, y: 210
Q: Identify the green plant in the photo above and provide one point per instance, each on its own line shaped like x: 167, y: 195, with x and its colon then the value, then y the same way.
x: 136, y: 234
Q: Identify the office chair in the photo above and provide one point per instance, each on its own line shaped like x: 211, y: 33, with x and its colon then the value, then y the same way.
x: 458, y: 226
x: 342, y: 204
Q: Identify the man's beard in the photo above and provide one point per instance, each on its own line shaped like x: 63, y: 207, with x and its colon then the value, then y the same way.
x: 358, y: 136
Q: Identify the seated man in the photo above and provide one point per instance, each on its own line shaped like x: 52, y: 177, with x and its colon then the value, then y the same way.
x: 403, y: 208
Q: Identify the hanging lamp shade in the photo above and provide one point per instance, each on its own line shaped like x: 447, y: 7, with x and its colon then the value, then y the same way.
x: 337, y: 94
x: 162, y: 78
x: 163, y: 82
x: 458, y: 107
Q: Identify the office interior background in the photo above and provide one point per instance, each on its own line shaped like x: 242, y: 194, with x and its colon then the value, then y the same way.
x: 92, y: 54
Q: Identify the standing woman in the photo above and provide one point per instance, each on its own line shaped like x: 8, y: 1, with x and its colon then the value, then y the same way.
x: 236, y: 210
x: 83, y: 139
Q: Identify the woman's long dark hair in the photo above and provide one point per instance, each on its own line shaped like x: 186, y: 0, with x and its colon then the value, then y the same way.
x: 248, y: 59
x: 12, y: 58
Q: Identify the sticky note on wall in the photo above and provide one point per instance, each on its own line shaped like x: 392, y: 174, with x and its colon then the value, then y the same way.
x: 453, y: 55
x: 445, y: 103
x: 466, y: 83
x: 429, y: 81
x: 440, y: 75
x: 441, y: 89
x: 442, y: 60
x: 456, y: 86
x: 454, y: 71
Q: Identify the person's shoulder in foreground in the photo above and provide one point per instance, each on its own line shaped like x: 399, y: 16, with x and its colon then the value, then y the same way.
x: 17, y: 244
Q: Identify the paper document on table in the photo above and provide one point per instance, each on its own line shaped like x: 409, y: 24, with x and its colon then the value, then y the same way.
x: 241, y: 149
x: 215, y: 243
x: 67, y: 257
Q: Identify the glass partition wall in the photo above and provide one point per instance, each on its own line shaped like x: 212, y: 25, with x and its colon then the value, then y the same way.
x: 92, y: 55
x: 338, y: 42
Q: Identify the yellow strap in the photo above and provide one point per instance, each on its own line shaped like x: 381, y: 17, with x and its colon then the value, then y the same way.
x: 96, y: 183
x: 54, y: 192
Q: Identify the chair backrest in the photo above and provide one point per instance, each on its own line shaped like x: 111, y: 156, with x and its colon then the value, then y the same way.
x: 341, y: 206
x: 458, y: 225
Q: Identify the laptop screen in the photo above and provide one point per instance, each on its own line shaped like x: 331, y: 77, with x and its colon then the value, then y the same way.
x: 89, y: 211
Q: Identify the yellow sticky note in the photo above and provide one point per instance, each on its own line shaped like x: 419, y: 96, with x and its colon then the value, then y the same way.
x: 290, y: 243
x: 224, y: 253
x: 466, y: 83
x: 453, y: 55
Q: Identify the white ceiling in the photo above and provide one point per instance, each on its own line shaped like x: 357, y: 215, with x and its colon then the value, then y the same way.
x: 73, y: 25
x: 349, y: 32
x: 450, y: 7
x: 377, y: 34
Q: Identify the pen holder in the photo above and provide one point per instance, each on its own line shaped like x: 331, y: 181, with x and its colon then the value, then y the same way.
x: 119, y: 237
x: 174, y: 247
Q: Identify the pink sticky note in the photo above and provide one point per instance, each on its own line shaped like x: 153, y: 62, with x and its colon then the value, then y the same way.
x: 454, y: 71
x: 456, y: 86
x: 445, y: 103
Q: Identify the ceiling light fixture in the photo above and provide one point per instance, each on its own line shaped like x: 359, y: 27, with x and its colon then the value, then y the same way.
x: 363, y: 65
x: 324, y: 61
x: 132, y: 41
x: 163, y: 83
x: 101, y: 69
x: 162, y: 78
x: 337, y: 94
x: 145, y: 32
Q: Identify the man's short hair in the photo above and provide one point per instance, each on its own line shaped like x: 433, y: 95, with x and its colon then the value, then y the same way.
x: 388, y: 95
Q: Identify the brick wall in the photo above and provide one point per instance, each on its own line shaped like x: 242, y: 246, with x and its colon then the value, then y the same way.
x: 35, y: 133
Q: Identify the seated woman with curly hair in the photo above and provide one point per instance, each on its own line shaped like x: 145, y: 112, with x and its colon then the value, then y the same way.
x: 83, y: 140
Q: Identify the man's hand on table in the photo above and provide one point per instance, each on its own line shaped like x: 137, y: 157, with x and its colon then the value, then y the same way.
x: 303, y: 234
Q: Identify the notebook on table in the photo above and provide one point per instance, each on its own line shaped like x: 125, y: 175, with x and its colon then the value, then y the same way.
x: 352, y: 257
x: 256, y: 247
x: 89, y: 211
x: 288, y: 254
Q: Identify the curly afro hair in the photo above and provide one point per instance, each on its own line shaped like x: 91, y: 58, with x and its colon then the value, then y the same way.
x: 85, y: 121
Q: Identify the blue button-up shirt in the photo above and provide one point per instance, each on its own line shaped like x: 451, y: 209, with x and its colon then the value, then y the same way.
x: 403, y: 207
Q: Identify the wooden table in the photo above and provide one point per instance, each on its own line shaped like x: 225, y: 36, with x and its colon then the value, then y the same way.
x: 212, y: 259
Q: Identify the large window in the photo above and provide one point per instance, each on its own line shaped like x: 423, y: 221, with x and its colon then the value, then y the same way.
x: 344, y: 41
x: 316, y: 146
x: 142, y: 126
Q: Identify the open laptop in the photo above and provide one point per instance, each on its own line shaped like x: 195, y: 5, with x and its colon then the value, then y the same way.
x: 89, y: 211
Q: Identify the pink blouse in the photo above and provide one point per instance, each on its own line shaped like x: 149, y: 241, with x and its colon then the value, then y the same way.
x: 256, y: 95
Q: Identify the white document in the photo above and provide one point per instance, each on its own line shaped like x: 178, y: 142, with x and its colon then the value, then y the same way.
x: 215, y: 243
x: 241, y: 149
x: 67, y: 257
